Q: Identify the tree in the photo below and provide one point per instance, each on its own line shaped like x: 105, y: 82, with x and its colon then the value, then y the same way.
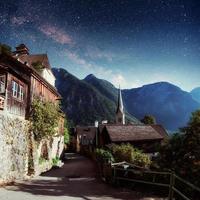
x: 37, y: 65
x: 148, y: 119
x: 5, y: 49
x: 191, y: 157
x: 171, y: 153
x: 181, y: 153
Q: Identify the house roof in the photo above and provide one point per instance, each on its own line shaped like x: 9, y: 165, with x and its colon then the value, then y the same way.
x: 30, y: 59
x: 88, y: 131
x: 4, y: 61
x: 160, y: 129
x: 129, y: 133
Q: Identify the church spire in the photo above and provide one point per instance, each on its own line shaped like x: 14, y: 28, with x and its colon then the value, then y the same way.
x: 120, y: 116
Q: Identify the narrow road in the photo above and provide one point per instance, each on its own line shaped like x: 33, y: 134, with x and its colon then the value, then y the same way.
x: 76, y: 180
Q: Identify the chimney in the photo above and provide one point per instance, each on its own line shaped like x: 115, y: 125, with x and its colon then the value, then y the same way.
x: 21, y: 49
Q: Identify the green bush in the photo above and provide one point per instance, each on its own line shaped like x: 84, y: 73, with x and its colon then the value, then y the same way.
x: 55, y: 161
x: 44, y: 118
x: 66, y: 136
x: 123, y: 153
x: 103, y: 155
x: 5, y: 49
x: 66, y: 132
x: 37, y: 66
x: 126, y: 152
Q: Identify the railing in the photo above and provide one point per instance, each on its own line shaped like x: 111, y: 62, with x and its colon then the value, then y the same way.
x: 122, y: 171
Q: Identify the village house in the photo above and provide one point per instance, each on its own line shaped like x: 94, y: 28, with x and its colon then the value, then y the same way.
x: 23, y: 78
x: 144, y: 137
x: 21, y: 81
x: 85, y: 141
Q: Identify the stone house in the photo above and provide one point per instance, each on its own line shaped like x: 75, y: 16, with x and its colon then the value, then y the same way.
x: 24, y: 77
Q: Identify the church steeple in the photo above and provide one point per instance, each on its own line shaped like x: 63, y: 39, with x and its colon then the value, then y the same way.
x: 120, y: 115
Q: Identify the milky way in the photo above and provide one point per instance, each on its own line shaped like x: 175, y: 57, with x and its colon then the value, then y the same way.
x: 130, y: 43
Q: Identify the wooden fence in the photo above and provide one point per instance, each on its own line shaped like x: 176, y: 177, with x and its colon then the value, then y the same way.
x: 127, y: 172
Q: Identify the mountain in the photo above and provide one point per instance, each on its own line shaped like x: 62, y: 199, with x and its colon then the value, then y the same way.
x: 196, y: 94
x: 170, y: 105
x: 90, y: 99
x: 102, y: 86
x: 108, y: 90
x: 83, y: 103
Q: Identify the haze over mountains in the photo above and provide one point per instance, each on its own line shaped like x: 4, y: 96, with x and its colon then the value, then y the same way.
x: 90, y: 99
x: 196, y: 94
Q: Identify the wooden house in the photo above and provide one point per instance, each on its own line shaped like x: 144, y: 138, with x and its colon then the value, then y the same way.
x: 24, y: 77
x: 14, y: 86
x: 144, y: 137
x: 85, y: 137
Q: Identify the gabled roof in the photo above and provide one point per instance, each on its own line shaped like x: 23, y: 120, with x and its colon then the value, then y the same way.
x: 88, y: 131
x: 30, y: 59
x: 160, y: 129
x: 5, y: 59
x: 130, y: 133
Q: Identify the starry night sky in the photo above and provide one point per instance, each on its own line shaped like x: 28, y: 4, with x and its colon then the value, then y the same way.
x: 127, y: 42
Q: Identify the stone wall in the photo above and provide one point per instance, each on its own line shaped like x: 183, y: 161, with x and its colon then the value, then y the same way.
x: 13, y: 148
x: 15, y: 140
x: 54, y: 147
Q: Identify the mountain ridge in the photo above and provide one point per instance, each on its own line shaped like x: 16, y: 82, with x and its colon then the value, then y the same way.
x: 170, y: 105
x: 83, y: 103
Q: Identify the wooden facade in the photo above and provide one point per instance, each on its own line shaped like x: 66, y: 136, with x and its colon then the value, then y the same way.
x: 16, y: 95
x: 13, y: 89
x: 41, y: 90
x: 20, y: 83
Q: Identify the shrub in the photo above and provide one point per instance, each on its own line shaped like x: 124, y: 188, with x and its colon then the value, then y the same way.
x: 126, y: 152
x: 104, y: 155
x: 141, y: 159
x: 123, y: 153
x: 5, y: 49
x: 66, y: 132
x: 44, y: 118
x: 37, y: 66
x: 66, y: 136
x: 55, y: 161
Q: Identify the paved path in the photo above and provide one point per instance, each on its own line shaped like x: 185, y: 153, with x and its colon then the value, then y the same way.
x: 75, y: 180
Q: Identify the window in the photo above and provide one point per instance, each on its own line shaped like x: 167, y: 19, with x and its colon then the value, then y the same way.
x: 14, y: 89
x: 2, y: 83
x: 21, y: 93
x: 17, y: 91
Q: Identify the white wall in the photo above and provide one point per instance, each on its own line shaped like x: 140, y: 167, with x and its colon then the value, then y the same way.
x: 48, y: 76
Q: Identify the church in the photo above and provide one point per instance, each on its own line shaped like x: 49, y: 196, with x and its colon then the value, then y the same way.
x: 141, y: 136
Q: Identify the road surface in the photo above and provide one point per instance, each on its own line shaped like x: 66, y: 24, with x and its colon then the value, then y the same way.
x: 76, y: 180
